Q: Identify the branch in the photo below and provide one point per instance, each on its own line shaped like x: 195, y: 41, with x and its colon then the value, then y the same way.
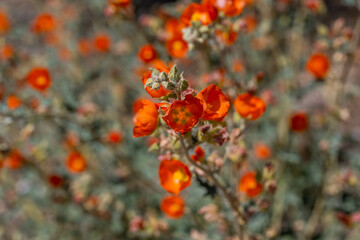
x: 232, y: 200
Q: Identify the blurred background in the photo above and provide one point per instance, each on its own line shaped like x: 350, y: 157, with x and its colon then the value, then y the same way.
x: 90, y: 49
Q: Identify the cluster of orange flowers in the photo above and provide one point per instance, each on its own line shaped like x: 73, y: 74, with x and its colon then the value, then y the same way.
x: 181, y: 109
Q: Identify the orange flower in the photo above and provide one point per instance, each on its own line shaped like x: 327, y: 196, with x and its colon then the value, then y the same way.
x: 238, y: 66
x: 249, y: 2
x: 318, y: 65
x: 7, y: 52
x: 177, y: 47
x: 228, y: 37
x: 102, y: 43
x: 120, y: 3
x: 147, y: 53
x: 153, y: 92
x: 146, y: 117
x: 161, y: 65
x: 229, y: 7
x: 299, y: 122
x: 39, y: 78
x: 75, y: 162
x: 249, y: 185
x: 173, y: 206
x: 313, y: 5
x: 262, y: 151
x: 44, y: 23
x: 204, y: 13
x: 251, y: 23
x: 249, y: 106
x: 84, y: 47
x: 14, y: 160
x: 174, y: 175
x: 215, y: 103
x: 13, y: 102
x: 173, y: 28
x: 199, y: 154
x: 183, y: 115
x: 114, y: 137
x: 4, y: 22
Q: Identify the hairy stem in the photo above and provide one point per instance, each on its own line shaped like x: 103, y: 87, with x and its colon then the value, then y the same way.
x: 229, y: 196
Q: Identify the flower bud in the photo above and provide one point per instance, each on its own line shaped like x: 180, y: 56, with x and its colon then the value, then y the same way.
x: 174, y: 74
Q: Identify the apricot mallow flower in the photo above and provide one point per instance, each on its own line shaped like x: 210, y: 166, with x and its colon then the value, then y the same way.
x: 249, y: 185
x: 39, y: 78
x: 215, y: 103
x: 229, y: 7
x: 249, y: 106
x: 204, y: 13
x: 146, y: 117
x: 173, y: 206
x: 174, y: 175
x: 318, y: 64
x: 183, y: 115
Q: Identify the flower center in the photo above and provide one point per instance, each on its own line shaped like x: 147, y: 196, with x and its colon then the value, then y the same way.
x: 41, y: 81
x: 174, y: 207
x: 180, y: 176
x: 182, y: 115
x: 178, y: 45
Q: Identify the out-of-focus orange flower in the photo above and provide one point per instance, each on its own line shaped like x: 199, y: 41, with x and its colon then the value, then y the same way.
x: 174, y: 175
x: 161, y: 65
x: 44, y: 23
x: 13, y: 102
x: 215, y: 103
x: 173, y: 28
x: 249, y: 2
x: 313, y: 5
x: 199, y: 155
x: 55, y: 181
x: 155, y: 93
x: 177, y: 47
x: 229, y: 7
x: 14, y: 160
x: 173, y: 206
x: 147, y: 53
x: 4, y: 22
x: 228, y: 37
x: 251, y: 23
x: 262, y: 151
x: 299, y: 122
x: 146, y: 117
x: 183, y: 115
x: 39, y: 78
x: 7, y: 52
x: 204, y: 13
x: 114, y: 137
x: 120, y: 3
x: 75, y: 162
x: 318, y: 64
x: 249, y: 106
x: 102, y: 43
x: 249, y: 185
x: 238, y: 66
x: 84, y: 47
